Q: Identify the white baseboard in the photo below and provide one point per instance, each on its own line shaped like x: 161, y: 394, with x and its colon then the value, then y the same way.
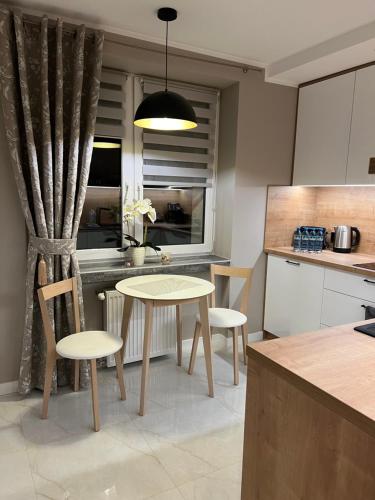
x: 8, y: 388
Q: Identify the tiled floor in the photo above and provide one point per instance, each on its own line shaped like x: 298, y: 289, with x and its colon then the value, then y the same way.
x: 187, y: 446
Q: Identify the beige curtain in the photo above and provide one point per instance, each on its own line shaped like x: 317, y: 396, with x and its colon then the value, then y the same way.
x: 50, y: 78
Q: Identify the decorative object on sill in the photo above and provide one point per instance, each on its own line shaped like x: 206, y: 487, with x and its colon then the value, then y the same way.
x: 138, y: 255
x: 136, y: 249
x: 165, y: 110
x: 50, y: 123
x: 166, y: 258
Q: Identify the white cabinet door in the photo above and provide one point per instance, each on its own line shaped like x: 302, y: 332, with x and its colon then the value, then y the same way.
x: 339, y: 309
x: 293, y: 296
x: 362, y: 134
x: 323, y: 128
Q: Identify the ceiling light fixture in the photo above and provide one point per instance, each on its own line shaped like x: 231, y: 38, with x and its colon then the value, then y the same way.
x: 165, y: 110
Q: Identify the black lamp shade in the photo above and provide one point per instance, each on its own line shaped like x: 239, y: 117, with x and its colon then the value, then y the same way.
x: 165, y: 110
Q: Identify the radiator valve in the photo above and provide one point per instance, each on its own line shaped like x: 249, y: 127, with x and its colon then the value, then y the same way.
x: 101, y: 295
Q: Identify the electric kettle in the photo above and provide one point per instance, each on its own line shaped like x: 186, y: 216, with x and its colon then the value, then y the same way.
x: 345, y: 238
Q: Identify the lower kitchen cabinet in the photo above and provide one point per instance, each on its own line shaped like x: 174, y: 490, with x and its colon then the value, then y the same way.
x: 293, y: 296
x: 303, y: 297
x: 339, y: 309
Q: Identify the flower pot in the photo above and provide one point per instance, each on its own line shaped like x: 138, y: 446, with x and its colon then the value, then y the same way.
x: 137, y: 254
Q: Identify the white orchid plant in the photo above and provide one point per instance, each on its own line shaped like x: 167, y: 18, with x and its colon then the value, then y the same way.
x: 144, y: 210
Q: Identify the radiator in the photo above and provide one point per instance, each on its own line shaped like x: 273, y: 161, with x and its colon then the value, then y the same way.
x: 163, y: 331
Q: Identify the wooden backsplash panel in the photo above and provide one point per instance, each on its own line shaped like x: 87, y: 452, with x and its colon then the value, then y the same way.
x: 352, y: 205
x: 292, y: 206
x: 287, y: 208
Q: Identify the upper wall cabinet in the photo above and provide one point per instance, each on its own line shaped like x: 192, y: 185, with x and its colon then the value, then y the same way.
x: 362, y: 134
x: 323, y: 129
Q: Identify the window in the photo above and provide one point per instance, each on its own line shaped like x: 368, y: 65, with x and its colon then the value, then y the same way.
x: 176, y: 170
x: 100, y: 225
x: 180, y: 215
x: 178, y: 173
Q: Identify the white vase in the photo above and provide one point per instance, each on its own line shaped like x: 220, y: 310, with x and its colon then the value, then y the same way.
x: 137, y: 254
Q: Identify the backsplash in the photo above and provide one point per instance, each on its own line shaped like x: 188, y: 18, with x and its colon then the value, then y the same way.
x: 327, y: 206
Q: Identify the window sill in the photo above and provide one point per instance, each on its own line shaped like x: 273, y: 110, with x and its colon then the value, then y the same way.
x: 100, y: 271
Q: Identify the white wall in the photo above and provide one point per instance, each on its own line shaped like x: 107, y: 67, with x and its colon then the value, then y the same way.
x: 226, y: 168
x: 265, y: 138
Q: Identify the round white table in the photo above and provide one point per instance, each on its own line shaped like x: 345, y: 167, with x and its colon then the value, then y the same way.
x: 158, y: 290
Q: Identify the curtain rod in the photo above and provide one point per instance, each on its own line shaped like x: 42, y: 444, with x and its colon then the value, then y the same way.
x: 69, y: 28
x: 244, y: 67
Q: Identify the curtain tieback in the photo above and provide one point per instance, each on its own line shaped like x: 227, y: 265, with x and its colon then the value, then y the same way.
x: 50, y: 246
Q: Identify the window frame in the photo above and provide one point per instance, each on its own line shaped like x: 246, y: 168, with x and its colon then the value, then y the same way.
x: 132, y: 178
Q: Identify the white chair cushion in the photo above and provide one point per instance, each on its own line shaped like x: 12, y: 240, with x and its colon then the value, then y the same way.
x: 220, y: 317
x: 88, y: 345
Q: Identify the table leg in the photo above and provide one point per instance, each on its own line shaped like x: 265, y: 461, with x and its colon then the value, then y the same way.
x: 179, y: 335
x: 146, y: 354
x: 127, y: 312
x: 206, y: 335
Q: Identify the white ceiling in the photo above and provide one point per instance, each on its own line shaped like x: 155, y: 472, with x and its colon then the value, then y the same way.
x: 295, y: 40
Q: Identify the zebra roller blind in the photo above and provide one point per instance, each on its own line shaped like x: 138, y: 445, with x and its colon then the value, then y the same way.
x: 110, y: 119
x: 183, y: 158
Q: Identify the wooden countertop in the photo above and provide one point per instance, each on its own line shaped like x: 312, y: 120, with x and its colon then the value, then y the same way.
x: 342, y: 261
x: 335, y: 366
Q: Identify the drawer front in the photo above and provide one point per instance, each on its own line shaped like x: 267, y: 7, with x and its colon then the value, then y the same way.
x: 338, y: 309
x: 355, y: 285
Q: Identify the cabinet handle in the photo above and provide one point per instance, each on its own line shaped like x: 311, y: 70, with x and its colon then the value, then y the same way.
x: 369, y: 281
x: 293, y: 263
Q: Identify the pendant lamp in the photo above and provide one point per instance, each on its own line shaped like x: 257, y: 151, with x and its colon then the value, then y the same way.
x: 165, y: 110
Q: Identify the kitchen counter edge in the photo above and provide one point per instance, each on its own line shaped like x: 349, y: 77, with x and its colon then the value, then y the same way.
x: 340, y: 261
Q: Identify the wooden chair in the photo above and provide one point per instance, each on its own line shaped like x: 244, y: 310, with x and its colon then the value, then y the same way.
x: 227, y: 318
x: 88, y: 345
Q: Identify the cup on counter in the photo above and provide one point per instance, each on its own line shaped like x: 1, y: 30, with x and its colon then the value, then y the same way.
x: 166, y: 258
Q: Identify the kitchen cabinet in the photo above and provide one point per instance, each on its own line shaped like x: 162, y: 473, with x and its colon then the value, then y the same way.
x: 323, y: 129
x: 293, y: 296
x: 340, y: 309
x: 362, y: 133
x: 310, y: 418
x: 355, y: 285
x: 304, y: 297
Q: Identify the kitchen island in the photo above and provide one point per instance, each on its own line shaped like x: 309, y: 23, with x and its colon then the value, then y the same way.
x: 310, y: 417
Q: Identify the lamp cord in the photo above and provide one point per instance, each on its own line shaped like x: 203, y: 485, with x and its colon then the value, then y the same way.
x: 166, y: 60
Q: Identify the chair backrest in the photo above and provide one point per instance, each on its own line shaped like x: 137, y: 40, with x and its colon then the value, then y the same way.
x: 49, y: 292
x: 233, y: 272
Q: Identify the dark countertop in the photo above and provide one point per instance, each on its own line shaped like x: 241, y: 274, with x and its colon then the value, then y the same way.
x: 99, y: 271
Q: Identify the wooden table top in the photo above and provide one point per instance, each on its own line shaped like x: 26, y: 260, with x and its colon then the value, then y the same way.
x: 335, y: 366
x: 341, y: 261
x: 165, y: 287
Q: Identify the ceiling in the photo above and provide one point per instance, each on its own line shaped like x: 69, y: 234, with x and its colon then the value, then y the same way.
x: 294, y: 40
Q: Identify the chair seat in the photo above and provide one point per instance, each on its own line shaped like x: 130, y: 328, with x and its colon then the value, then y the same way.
x: 88, y: 345
x: 220, y: 317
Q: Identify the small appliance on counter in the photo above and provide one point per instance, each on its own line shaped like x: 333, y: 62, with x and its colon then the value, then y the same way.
x: 309, y: 239
x: 345, y: 238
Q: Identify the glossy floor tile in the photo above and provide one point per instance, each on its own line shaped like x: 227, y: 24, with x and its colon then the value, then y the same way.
x: 187, y: 446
